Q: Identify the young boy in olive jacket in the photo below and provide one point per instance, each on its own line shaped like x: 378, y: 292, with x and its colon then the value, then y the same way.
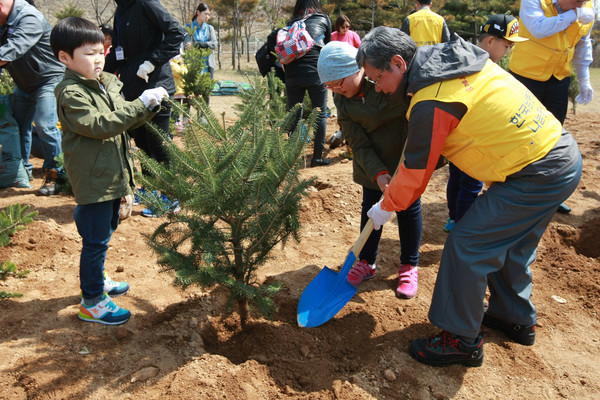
x: 94, y: 118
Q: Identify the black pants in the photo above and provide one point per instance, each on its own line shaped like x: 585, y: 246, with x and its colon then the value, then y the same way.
x: 149, y: 141
x: 318, y: 98
x: 553, y: 94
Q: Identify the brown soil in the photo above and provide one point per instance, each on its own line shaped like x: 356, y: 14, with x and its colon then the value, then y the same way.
x: 180, y: 344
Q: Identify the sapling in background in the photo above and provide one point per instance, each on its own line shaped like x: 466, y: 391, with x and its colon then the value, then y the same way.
x: 240, y: 191
x: 13, y: 220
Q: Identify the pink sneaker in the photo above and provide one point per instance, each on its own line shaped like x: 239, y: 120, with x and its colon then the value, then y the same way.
x: 361, y: 271
x: 409, y: 281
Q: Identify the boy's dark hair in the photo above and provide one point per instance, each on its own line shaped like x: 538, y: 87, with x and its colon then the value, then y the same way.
x: 73, y: 32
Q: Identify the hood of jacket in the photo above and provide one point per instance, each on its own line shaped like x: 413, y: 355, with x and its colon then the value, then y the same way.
x: 444, y: 61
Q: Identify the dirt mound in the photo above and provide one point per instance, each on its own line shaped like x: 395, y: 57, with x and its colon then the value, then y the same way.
x: 180, y: 344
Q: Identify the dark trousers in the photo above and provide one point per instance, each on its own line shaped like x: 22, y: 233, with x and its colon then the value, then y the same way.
x: 461, y: 192
x: 553, y: 94
x: 318, y: 98
x: 149, y: 141
x: 95, y: 223
x: 410, y: 228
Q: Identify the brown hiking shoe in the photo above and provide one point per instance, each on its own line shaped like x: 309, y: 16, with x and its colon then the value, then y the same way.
x: 51, y: 185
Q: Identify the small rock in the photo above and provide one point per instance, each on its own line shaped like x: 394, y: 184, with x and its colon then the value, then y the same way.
x: 389, y: 375
x: 558, y: 299
x: 144, y: 374
x: 305, y: 351
x: 120, y: 269
x: 261, y: 358
x: 193, y: 324
x: 197, y: 339
x: 337, y: 195
x: 122, y: 333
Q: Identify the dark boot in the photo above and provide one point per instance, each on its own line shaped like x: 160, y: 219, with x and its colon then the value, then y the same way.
x: 51, y: 184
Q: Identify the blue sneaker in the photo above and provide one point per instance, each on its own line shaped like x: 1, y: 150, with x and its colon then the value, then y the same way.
x: 136, y: 198
x: 449, y: 225
x: 114, y: 288
x: 168, y: 207
x: 106, y: 312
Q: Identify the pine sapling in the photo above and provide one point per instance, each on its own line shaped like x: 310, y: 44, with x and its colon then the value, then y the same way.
x: 240, y: 191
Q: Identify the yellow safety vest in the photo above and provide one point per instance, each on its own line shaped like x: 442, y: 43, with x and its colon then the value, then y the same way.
x: 504, y: 129
x: 426, y: 27
x: 540, y: 59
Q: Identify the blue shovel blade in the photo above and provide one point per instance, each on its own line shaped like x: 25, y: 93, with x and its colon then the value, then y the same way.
x: 325, y: 295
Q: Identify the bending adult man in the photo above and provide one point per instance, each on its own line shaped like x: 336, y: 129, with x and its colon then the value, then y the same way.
x: 471, y: 111
x: 26, y: 54
x: 425, y: 26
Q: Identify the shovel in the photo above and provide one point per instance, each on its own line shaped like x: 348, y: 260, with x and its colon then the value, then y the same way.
x: 329, y: 291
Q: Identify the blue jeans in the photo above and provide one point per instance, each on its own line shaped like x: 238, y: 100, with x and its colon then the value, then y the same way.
x: 410, y: 228
x: 95, y: 223
x: 38, y: 106
x: 461, y: 192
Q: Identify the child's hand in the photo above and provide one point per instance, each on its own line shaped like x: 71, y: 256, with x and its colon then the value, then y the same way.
x: 153, y: 97
x: 383, y: 181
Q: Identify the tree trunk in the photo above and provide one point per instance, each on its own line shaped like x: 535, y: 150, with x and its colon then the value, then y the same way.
x: 219, y: 41
x: 243, y: 311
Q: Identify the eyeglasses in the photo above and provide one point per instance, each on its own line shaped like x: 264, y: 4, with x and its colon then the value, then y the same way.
x: 335, y: 87
x: 376, y: 81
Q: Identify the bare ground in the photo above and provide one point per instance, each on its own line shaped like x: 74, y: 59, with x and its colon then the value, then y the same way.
x: 180, y: 344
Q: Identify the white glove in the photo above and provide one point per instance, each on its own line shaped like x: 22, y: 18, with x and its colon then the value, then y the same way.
x: 585, y: 92
x: 585, y: 15
x: 153, y: 97
x: 144, y: 69
x: 379, y: 216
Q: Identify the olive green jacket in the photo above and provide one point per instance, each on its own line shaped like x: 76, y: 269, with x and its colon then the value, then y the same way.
x: 94, y: 119
x: 375, y: 128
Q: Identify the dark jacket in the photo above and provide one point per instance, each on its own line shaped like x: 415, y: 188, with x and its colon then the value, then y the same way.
x: 96, y: 147
x: 304, y: 69
x: 376, y: 129
x: 25, y: 41
x: 146, y: 31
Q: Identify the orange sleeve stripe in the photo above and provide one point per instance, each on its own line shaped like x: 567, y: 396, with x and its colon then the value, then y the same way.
x: 409, y: 184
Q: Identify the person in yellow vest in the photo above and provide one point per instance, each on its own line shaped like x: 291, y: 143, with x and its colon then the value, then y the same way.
x: 465, y: 107
x: 425, y: 26
x: 559, y: 34
x: 179, y: 69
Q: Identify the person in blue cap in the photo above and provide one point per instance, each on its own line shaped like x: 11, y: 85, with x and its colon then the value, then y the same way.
x: 375, y: 128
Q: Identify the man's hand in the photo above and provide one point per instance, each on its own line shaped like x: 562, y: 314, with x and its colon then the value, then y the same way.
x: 586, y: 93
x: 144, y: 69
x: 153, y: 97
x: 585, y: 15
x: 379, y: 216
